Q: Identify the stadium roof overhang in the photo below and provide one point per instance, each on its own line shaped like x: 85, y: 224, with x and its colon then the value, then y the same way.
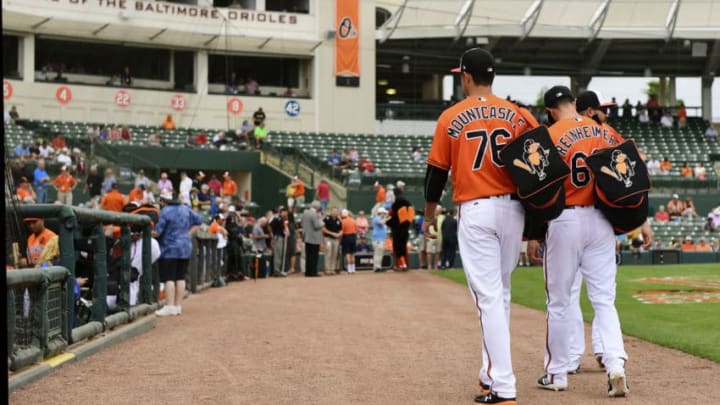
x: 553, y: 37
x: 222, y: 38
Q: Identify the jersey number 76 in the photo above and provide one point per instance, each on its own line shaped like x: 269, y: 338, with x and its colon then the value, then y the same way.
x: 497, y: 139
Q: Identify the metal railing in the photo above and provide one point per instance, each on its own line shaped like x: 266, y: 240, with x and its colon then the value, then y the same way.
x: 207, y: 263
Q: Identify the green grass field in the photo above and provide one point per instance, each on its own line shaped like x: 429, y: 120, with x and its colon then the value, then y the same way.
x: 690, y: 327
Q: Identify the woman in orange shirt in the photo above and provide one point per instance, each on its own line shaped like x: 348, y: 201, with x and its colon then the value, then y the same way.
x: 665, y: 166
x: 168, y: 124
x: 25, y: 193
x: 686, y: 170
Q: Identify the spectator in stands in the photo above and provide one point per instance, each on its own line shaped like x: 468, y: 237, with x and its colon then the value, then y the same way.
x: 298, y: 194
x: 26, y: 194
x: 229, y: 186
x: 653, y: 166
x: 667, y: 120
x: 15, y: 116
x: 177, y: 222
x: 126, y: 79
x: 168, y: 124
x: 354, y: 156
x: 113, y: 200
x: 674, y: 244
x: 137, y: 194
x: 215, y: 184
x: 688, y: 245
x: 416, y: 154
x: 686, y: 170
x: 682, y: 114
x: 708, y: 227
x: 261, y: 134
x: 114, y: 134
x: 703, y: 246
x: 19, y: 170
x: 79, y: 163
x: 104, y: 132
x: 333, y: 232
x: 58, y: 142
x: 675, y: 208
x: 665, y: 166
x: 289, y: 92
x: 653, y: 109
x: 334, y: 159
x: 203, y: 196
x: 366, y: 165
x: 322, y: 194
x: 164, y: 184
x: 141, y: 179
x: 638, y: 108
x: 219, y: 139
x: 348, y: 242
x: 662, y: 216
x: 63, y: 157
x: 259, y: 236
x: 185, y: 187
x: 114, y: 81
x: 45, y: 150
x: 362, y: 224
x: 627, y: 109
x: 689, y: 211
x: 362, y: 246
x: 41, y: 182
x: 37, y: 240
x: 659, y: 245
x: 715, y: 245
x: 125, y: 133
x: 252, y: 87
x: 22, y: 150
x: 232, y: 84
x: 643, y: 117
x: 711, y: 132
x: 92, y: 132
x: 64, y: 184
x: 715, y: 216
x: 154, y: 139
x: 613, y: 110
x: 246, y: 131
x: 35, y: 150
x: 258, y: 117
x: 699, y: 171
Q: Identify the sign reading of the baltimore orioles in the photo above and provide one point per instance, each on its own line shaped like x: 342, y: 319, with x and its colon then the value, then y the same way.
x: 347, y: 43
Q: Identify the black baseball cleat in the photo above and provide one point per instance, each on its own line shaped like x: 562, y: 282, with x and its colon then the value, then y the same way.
x: 492, y: 398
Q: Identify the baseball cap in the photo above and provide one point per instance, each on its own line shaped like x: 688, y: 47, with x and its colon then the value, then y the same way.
x: 476, y: 61
x: 31, y: 219
x: 377, y: 183
x: 344, y: 213
x: 556, y: 94
x: 591, y: 99
x: 382, y: 210
x: 675, y: 196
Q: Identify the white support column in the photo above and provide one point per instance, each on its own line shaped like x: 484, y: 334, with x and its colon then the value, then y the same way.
x: 26, y: 58
x: 706, y: 97
x: 672, y: 91
x: 201, y: 72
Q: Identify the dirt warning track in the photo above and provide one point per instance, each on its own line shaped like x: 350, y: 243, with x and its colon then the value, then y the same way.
x: 393, y: 338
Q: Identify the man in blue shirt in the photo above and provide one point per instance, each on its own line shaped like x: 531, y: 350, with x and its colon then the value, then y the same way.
x: 22, y: 150
x: 177, y: 222
x: 41, y: 182
x: 379, y: 234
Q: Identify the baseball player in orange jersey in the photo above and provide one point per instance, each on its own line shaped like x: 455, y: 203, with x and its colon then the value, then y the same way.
x: 579, y: 240
x: 467, y: 141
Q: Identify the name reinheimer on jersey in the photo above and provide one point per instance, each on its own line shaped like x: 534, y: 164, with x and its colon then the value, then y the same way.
x: 486, y: 112
x: 573, y: 135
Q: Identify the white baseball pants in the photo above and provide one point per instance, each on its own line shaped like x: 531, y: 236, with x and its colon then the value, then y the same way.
x: 489, y: 237
x: 577, y: 337
x: 580, y: 240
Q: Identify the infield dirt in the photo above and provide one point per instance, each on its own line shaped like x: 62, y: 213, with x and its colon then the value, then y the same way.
x: 393, y: 338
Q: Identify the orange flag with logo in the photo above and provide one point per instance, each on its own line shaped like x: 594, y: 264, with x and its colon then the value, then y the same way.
x: 347, y: 43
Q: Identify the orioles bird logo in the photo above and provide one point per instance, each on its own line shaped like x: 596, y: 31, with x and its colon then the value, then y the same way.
x: 621, y: 168
x: 534, y: 159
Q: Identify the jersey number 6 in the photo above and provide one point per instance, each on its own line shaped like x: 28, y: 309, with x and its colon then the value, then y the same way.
x: 497, y: 139
x: 580, y: 174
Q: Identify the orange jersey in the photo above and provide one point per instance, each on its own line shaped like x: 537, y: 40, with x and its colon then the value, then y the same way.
x: 113, y: 201
x: 576, y: 139
x: 23, y: 193
x: 613, y: 132
x: 36, y: 244
x: 64, y: 183
x: 136, y: 195
x: 299, y: 189
x: 349, y: 227
x: 380, y: 195
x: 468, y: 139
x: 229, y: 187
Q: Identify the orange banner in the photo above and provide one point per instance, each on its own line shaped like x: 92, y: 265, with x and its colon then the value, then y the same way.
x: 347, y: 43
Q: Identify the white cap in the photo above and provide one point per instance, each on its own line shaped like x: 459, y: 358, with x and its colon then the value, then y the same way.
x: 675, y: 196
x: 231, y: 208
x: 400, y: 184
x: 295, y: 177
x: 63, y: 168
x: 201, y: 173
x: 382, y: 210
x: 344, y: 213
x: 377, y: 183
x: 226, y: 174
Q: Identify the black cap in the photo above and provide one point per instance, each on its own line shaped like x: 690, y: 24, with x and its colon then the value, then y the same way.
x: 557, y: 94
x: 476, y: 61
x: 114, y: 185
x: 587, y: 99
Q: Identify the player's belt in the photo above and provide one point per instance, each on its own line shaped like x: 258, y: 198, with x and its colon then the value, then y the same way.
x: 502, y: 196
x: 572, y: 207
